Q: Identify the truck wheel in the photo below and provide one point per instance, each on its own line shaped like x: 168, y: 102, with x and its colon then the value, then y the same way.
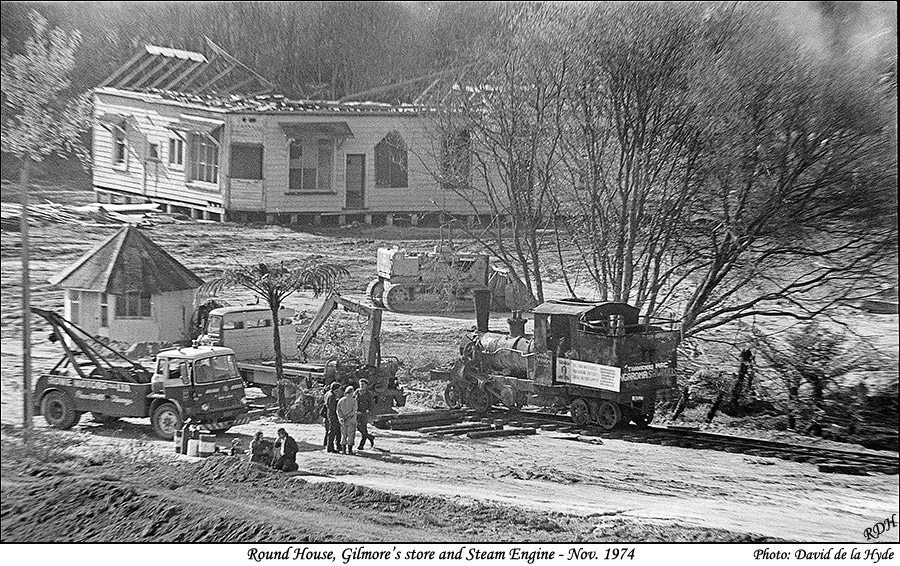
x: 166, y: 420
x: 581, y: 415
x: 609, y: 415
x: 59, y: 410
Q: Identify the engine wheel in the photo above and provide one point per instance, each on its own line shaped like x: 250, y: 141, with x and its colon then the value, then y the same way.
x: 608, y: 415
x: 166, y: 420
x: 581, y: 415
x: 59, y: 410
x: 641, y: 420
x: 453, y: 396
x: 479, y: 399
x: 104, y: 419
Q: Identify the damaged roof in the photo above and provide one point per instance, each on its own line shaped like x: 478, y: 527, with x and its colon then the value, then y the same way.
x: 127, y: 261
x: 165, y: 69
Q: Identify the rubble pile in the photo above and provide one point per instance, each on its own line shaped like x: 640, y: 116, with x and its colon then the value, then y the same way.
x: 94, y: 214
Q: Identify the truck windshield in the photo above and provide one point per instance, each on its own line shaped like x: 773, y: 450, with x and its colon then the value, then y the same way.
x: 214, y: 326
x: 218, y: 368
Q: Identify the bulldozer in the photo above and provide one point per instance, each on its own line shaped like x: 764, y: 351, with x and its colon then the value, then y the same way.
x: 434, y: 281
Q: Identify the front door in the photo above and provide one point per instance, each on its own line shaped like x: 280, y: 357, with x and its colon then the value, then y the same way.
x: 356, y: 181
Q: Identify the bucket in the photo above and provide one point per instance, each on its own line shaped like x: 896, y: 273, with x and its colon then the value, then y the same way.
x: 193, y: 448
x: 207, y: 445
x: 178, y: 435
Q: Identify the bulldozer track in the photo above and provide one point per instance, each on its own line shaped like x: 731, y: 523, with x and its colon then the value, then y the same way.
x: 827, y: 459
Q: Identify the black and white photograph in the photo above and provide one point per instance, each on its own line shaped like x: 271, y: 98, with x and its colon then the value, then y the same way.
x: 444, y: 282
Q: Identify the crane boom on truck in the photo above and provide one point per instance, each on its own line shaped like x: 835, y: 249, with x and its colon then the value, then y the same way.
x: 201, y: 384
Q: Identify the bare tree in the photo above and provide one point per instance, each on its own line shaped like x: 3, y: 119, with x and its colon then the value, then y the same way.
x: 273, y: 283
x: 497, y: 146
x: 41, y: 120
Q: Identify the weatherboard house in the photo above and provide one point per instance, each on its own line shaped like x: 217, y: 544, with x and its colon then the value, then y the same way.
x: 201, y: 134
x: 130, y: 290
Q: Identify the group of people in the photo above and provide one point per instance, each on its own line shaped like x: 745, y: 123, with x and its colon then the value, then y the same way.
x: 282, y: 455
x: 346, y: 411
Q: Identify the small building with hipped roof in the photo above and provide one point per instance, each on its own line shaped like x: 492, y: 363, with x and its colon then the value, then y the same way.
x: 130, y: 290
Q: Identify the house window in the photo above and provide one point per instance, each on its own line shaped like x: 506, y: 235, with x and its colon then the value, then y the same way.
x: 204, y: 159
x: 133, y: 305
x: 74, y: 307
x: 153, y: 152
x: 391, y: 162
x: 246, y: 161
x: 311, y: 165
x: 104, y: 310
x: 456, y: 160
x: 176, y: 152
x: 120, y: 148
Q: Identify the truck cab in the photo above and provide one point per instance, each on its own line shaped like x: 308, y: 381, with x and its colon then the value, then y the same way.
x: 202, y: 384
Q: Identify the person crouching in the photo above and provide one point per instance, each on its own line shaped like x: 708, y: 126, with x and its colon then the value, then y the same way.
x: 346, y: 413
x: 286, y: 451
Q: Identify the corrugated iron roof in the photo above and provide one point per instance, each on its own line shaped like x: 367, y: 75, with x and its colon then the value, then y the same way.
x: 560, y: 307
x: 127, y: 261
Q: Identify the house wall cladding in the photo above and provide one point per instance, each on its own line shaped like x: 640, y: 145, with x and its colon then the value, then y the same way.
x: 158, y: 180
x: 155, y: 179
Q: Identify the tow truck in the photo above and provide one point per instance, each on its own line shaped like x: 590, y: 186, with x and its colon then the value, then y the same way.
x: 228, y: 327
x: 198, y: 383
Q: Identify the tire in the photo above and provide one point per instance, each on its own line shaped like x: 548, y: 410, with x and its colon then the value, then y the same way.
x: 59, y: 410
x: 581, y: 415
x: 609, y: 415
x: 166, y: 420
x: 453, y: 396
x: 375, y: 292
x: 103, y: 419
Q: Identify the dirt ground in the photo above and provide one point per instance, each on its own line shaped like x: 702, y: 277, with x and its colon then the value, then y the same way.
x: 129, y: 486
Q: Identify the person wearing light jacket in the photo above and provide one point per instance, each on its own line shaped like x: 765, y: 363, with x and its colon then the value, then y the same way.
x: 346, y: 414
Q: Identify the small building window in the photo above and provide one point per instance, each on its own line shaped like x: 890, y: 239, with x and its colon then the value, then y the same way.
x: 153, y: 152
x: 391, y: 162
x: 176, y: 152
x: 246, y: 161
x: 104, y: 310
x: 311, y: 165
x: 120, y: 148
x: 74, y: 307
x: 133, y: 305
x: 456, y: 160
x: 204, y: 158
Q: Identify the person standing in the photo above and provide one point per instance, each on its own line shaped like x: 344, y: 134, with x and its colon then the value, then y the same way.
x: 333, y: 426
x: 365, y: 402
x: 286, y: 451
x: 346, y: 413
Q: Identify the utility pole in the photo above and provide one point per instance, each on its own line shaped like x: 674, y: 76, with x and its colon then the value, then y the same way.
x: 24, y: 179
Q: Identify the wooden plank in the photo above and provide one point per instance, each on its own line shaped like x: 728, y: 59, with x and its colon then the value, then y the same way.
x: 149, y: 74
x: 216, y: 78
x: 174, y: 82
x: 504, y: 432
x: 175, y: 68
x: 118, y: 72
x: 191, y: 80
x: 123, y: 83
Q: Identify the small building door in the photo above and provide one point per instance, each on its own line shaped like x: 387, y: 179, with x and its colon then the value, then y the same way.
x: 356, y: 180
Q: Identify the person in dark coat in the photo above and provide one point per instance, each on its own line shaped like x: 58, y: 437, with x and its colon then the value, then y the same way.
x: 286, y: 452
x: 365, y: 403
x: 334, y: 426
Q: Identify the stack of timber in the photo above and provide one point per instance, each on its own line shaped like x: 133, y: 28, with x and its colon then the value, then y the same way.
x: 419, y: 420
x: 95, y: 214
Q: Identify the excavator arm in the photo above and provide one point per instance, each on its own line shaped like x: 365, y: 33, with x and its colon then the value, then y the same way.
x: 371, y: 342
